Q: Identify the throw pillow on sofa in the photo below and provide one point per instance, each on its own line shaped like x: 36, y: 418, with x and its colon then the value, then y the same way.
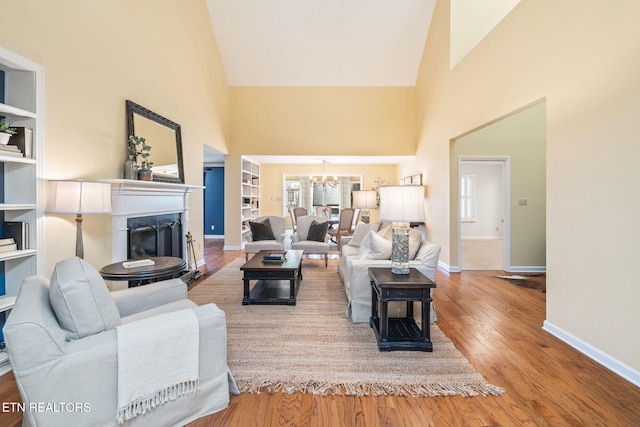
x: 80, y: 299
x: 318, y: 231
x: 261, y: 230
x: 380, y: 247
x: 364, y: 251
x: 361, y: 231
x: 415, y: 240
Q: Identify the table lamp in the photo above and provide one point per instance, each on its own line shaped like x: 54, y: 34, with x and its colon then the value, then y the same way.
x: 401, y: 204
x: 78, y: 197
x: 365, y: 200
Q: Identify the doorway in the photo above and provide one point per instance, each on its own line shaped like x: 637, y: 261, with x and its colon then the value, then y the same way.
x: 483, y: 215
x: 213, y: 194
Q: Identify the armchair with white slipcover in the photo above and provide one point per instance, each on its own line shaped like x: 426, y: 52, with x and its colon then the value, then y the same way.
x: 63, y: 344
x: 311, y: 236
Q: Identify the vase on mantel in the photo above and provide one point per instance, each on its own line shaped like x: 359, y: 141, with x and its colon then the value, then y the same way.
x: 130, y: 168
x: 145, y: 175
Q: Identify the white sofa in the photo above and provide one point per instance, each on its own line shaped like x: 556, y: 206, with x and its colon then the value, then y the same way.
x: 355, y: 262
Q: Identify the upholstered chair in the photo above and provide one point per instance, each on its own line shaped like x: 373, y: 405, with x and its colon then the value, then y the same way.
x: 345, y: 223
x: 311, y: 236
x: 356, y: 219
x: 267, y: 233
x: 70, y: 340
x: 294, y: 213
x: 324, y: 211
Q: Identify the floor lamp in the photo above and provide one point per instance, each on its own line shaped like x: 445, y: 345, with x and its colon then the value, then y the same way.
x: 365, y: 200
x: 401, y: 204
x: 78, y: 197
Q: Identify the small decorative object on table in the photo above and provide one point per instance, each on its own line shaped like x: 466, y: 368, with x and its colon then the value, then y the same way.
x: 142, y: 151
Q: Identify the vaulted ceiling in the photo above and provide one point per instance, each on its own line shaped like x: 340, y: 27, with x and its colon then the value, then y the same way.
x: 338, y: 43
x: 321, y: 42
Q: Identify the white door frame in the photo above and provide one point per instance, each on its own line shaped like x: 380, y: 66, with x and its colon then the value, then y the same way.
x: 506, y: 177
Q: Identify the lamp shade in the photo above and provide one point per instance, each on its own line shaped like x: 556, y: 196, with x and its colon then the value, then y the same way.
x: 402, y: 203
x: 364, y: 199
x: 78, y: 197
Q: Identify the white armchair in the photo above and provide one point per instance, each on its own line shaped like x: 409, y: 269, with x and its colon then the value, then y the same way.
x: 303, y: 238
x: 63, y: 344
x: 277, y: 225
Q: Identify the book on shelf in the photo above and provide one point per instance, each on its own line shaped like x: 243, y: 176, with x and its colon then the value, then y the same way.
x: 23, y: 139
x: 8, y: 248
x: 10, y: 147
x: 10, y: 150
x: 7, y: 241
x: 18, y: 231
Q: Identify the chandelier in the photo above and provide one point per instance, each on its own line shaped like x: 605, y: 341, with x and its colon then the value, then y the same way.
x: 323, y: 182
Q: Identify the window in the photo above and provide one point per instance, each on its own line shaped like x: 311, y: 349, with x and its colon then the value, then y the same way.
x: 468, y: 198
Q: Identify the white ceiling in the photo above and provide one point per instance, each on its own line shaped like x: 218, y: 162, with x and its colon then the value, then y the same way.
x: 321, y: 42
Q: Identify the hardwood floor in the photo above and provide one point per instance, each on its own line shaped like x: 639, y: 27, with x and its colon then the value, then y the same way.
x: 498, y: 327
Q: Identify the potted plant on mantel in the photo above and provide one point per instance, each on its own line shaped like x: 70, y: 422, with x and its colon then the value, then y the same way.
x: 142, y: 151
x: 5, y: 132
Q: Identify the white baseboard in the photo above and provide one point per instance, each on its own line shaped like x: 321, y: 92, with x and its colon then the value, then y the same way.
x: 625, y: 371
x: 513, y: 269
x: 448, y: 268
x: 214, y: 236
x: 528, y: 269
x: 231, y: 248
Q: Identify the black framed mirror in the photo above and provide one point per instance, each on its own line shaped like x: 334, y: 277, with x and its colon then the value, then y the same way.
x: 164, y: 137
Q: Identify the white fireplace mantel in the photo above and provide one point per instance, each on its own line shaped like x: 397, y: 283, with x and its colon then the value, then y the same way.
x: 132, y: 199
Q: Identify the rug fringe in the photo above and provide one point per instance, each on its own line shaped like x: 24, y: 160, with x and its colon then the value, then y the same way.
x: 370, y: 389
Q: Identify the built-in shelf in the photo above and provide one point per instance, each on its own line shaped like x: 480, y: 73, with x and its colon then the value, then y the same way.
x: 250, y: 188
x: 15, y: 159
x: 17, y: 206
x: 14, y: 113
x: 7, y: 302
x: 22, y: 106
x: 5, y: 256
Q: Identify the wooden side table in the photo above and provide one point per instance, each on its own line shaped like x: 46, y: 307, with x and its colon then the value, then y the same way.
x: 400, y: 333
x: 165, y: 267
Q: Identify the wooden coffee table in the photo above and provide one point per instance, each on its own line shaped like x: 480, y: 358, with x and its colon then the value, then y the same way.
x: 277, y: 283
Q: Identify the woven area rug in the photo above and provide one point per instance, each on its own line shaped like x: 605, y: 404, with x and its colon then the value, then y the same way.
x: 313, y: 348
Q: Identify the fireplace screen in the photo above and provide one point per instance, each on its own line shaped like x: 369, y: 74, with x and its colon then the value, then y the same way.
x: 158, y: 235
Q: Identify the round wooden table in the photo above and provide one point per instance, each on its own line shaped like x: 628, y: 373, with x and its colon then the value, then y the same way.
x: 164, y: 267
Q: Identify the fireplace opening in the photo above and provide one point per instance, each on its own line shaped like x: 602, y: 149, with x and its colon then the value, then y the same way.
x: 157, y: 235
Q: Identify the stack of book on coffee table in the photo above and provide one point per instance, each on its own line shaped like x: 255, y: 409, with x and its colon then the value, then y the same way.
x: 274, y: 257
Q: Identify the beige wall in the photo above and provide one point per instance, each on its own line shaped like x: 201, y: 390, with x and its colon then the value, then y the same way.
x: 323, y: 120
x: 158, y: 53
x: 521, y: 138
x: 582, y: 57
